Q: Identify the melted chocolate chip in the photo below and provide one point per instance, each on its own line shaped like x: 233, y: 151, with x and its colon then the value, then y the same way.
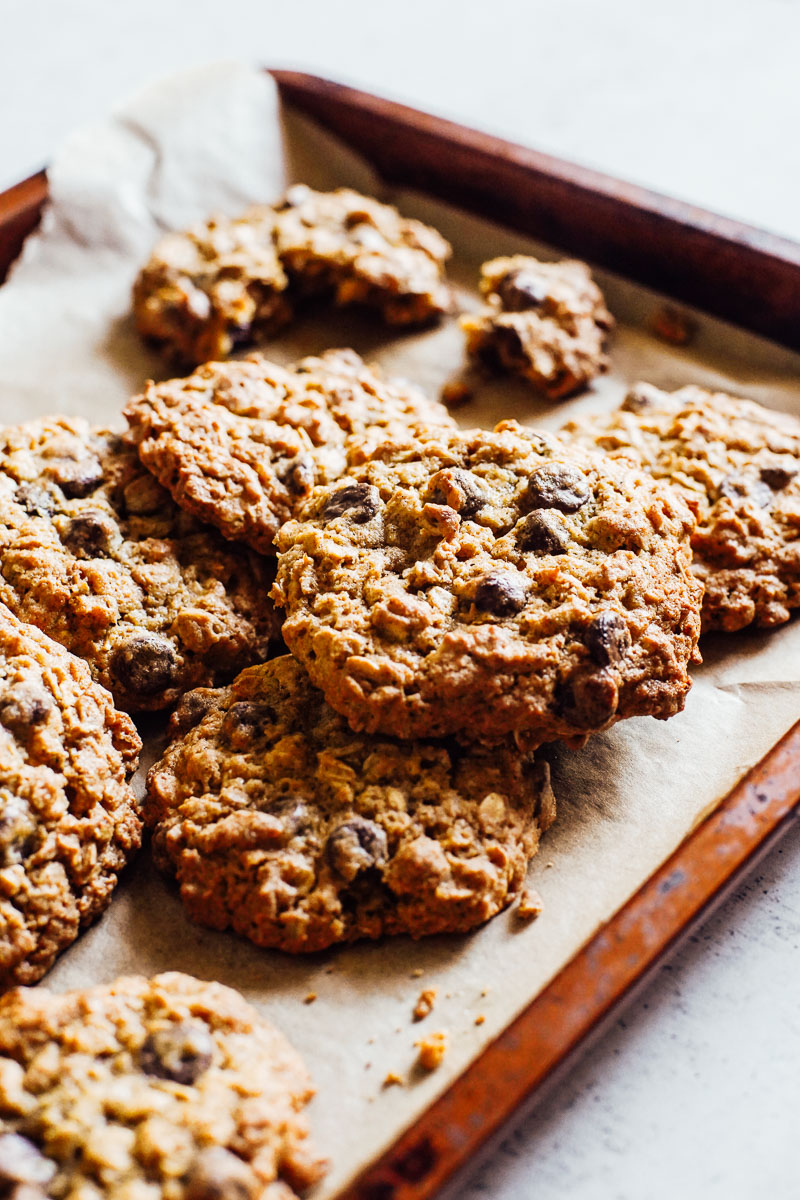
x: 356, y: 845
x: 145, y: 664
x: 777, y: 476
x: 191, y: 710
x: 739, y: 489
x: 76, y: 477
x: 179, y: 1052
x: 608, y: 638
x: 359, y: 501
x: 293, y: 814
x: 18, y: 830
x: 25, y: 707
x: 244, y: 721
x: 299, y: 477
x: 542, y: 532
x: 217, y: 1174
x: 35, y: 499
x: 21, y: 1162
x: 521, y: 289
x: 641, y: 397
x: 501, y: 594
x: 458, y: 489
x: 558, y: 485
x: 89, y: 534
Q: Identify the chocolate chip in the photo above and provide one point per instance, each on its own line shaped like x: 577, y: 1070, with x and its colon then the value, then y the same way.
x: 608, y: 638
x: 191, y: 710
x: 740, y: 488
x: 217, y: 1174
x: 542, y: 532
x: 458, y: 489
x: 25, y: 707
x: 180, y: 1052
x: 23, y: 1162
x: 244, y: 721
x: 356, y: 845
x: 293, y: 813
x: 89, y: 534
x: 521, y: 289
x: 558, y: 485
x: 76, y: 477
x: 144, y: 664
x: 501, y: 594
x: 777, y: 476
x: 35, y: 499
x: 360, y: 501
x: 299, y: 477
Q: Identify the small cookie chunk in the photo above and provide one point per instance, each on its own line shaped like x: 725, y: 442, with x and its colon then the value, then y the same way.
x: 149, y: 1089
x: 491, y: 583
x: 206, y: 291
x: 546, y: 321
x: 241, y: 444
x: 282, y: 824
x: 737, y: 465
x: 359, y: 251
x: 95, y: 553
x: 69, y: 820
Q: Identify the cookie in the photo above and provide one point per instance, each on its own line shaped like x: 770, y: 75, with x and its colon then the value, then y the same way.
x: 149, y: 1089
x: 241, y: 444
x: 230, y: 281
x: 546, y: 321
x: 216, y: 286
x: 358, y: 251
x: 491, y: 583
x: 737, y: 465
x: 69, y: 820
x: 94, y: 552
x: 284, y: 825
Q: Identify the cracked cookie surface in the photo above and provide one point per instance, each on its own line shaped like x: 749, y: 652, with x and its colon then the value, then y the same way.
x: 284, y: 825
x: 546, y: 321
x: 492, y: 583
x: 241, y: 444
x: 69, y: 820
x: 96, y: 554
x: 149, y: 1089
x: 737, y: 465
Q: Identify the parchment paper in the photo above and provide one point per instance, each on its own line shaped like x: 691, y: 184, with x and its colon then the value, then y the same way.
x: 215, y: 139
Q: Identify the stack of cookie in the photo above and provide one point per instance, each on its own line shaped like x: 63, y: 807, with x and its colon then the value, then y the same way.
x: 451, y: 600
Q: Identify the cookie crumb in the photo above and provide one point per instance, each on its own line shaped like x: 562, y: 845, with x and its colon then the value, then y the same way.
x: 416, y: 973
x: 673, y: 326
x: 393, y: 1080
x: 455, y: 393
x: 485, y: 992
x: 424, y: 1004
x: 432, y: 1050
x: 310, y: 998
x: 480, y: 1019
x: 529, y: 905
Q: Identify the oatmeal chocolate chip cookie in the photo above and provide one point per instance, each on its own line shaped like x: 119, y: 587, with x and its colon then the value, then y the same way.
x: 241, y: 444
x: 546, y: 321
x: 149, y: 1089
x: 94, y: 552
x: 286, y: 826
x: 220, y: 284
x: 737, y: 465
x: 492, y: 583
x: 69, y: 820
x: 359, y: 251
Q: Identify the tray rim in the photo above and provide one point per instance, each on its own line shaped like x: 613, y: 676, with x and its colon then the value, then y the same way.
x: 623, y: 953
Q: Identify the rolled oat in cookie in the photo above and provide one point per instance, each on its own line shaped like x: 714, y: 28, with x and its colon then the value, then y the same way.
x: 69, y: 820
x: 284, y: 825
x: 491, y: 583
x: 546, y: 321
x: 737, y: 466
x: 241, y: 444
x: 95, y: 553
x: 149, y: 1089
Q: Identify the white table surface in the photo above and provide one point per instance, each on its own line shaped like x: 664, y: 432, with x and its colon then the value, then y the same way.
x: 694, y: 1092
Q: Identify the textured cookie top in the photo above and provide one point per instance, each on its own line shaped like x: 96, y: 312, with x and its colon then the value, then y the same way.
x: 159, y: 1089
x: 737, y: 464
x: 546, y: 321
x: 491, y: 583
x: 68, y: 817
x: 241, y: 444
x: 96, y: 554
x: 204, y: 291
x: 364, y: 252
x: 283, y: 824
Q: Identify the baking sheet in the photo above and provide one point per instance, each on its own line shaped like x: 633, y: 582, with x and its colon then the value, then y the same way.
x: 216, y: 139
